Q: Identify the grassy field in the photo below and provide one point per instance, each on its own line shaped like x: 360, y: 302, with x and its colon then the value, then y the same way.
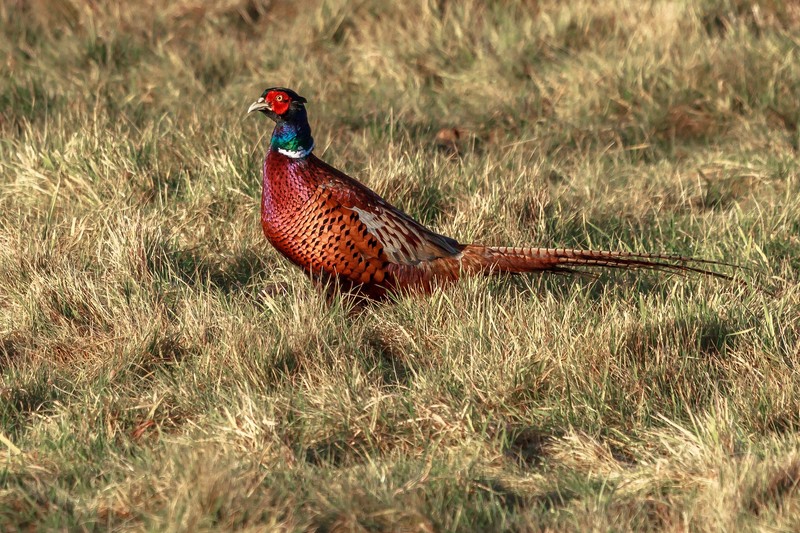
x: 164, y: 369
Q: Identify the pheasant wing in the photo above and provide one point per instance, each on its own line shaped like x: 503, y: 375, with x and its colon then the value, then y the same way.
x: 404, y: 240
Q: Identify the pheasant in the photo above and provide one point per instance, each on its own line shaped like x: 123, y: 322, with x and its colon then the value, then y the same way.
x: 343, y: 234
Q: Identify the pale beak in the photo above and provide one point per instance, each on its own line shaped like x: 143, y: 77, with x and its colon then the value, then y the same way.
x: 259, y: 105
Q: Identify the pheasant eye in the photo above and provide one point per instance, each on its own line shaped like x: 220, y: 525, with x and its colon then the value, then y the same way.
x: 279, y: 98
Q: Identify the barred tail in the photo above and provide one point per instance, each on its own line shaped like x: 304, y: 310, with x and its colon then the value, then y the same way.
x: 562, y: 260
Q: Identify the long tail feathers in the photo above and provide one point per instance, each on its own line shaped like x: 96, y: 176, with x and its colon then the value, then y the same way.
x: 561, y: 260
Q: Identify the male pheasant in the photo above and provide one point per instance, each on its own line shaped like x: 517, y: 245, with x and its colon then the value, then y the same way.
x: 343, y: 234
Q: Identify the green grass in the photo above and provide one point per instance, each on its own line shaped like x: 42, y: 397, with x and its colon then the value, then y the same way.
x: 164, y: 369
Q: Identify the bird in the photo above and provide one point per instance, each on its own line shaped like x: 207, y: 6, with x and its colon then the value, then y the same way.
x: 347, y: 238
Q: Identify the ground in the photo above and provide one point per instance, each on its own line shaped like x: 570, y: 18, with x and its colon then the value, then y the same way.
x: 163, y: 368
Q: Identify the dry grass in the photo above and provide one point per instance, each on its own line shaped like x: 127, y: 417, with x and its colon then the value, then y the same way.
x: 164, y: 369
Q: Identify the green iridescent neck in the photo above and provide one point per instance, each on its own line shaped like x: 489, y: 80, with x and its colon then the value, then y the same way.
x: 293, y: 139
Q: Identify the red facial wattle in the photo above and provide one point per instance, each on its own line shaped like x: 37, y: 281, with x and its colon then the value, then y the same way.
x: 280, y: 102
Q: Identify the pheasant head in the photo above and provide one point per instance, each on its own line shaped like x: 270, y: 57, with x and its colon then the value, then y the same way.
x: 292, y: 134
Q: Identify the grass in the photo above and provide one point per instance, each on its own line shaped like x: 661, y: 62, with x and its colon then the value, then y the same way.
x: 164, y: 369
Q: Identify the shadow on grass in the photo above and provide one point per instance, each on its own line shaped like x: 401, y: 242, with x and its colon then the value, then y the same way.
x: 24, y: 101
x: 336, y: 452
x: 388, y: 360
x: 12, y: 349
x: 682, y: 363
x: 161, y: 352
x: 170, y: 263
x: 36, y: 395
x: 508, y: 498
x: 32, y: 394
x: 526, y: 445
x: 711, y: 336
